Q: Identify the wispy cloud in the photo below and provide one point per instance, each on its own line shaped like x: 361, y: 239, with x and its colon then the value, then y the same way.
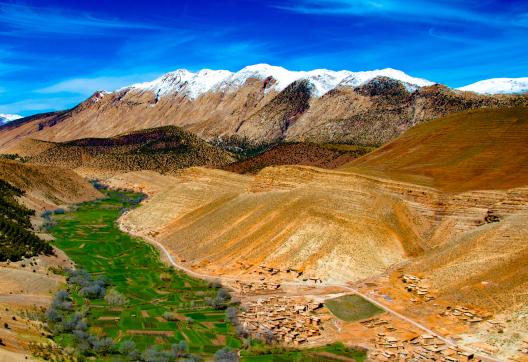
x: 23, y: 20
x: 403, y: 10
x: 88, y: 85
x: 34, y: 105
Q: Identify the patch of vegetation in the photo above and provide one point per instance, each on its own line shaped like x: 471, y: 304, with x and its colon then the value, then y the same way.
x: 17, y: 239
x: 352, y: 308
x: 242, y: 147
x: 14, y: 157
x: 297, y: 153
x: 125, y: 301
x: 332, y: 352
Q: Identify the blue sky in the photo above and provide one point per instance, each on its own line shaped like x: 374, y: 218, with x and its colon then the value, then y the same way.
x: 54, y: 54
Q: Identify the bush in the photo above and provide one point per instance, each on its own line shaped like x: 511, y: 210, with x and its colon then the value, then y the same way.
x: 170, y: 316
x: 231, y: 315
x: 180, y: 349
x: 226, y: 355
x: 154, y: 355
x: 114, y: 298
x: 103, y: 345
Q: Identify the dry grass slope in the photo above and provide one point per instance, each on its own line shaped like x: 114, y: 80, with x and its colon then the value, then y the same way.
x: 46, y: 186
x: 479, y: 149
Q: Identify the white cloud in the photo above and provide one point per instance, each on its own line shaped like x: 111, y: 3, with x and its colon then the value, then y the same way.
x: 22, y: 19
x: 88, y: 85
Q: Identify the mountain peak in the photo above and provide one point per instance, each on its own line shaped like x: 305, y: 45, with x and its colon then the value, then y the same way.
x: 6, y: 118
x: 498, y: 86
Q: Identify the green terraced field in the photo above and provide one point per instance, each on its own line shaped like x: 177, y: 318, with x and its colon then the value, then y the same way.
x: 93, y: 241
x: 332, y: 352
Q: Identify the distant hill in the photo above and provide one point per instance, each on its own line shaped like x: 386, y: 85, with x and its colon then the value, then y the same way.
x: 308, y: 154
x: 479, y: 149
x: 46, y: 187
x: 162, y: 149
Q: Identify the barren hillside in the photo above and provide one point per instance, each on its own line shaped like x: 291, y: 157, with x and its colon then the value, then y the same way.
x: 46, y: 186
x: 480, y: 149
x: 331, y: 225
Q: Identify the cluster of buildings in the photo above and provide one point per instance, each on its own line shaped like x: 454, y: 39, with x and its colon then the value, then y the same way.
x: 418, y: 287
x: 254, y: 288
x: 465, y: 314
x: 420, y: 348
x: 289, y: 320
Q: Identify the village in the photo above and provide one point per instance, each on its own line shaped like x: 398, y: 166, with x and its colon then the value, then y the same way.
x: 292, y: 321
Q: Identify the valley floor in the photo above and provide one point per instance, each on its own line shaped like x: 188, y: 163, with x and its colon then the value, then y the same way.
x: 181, y: 209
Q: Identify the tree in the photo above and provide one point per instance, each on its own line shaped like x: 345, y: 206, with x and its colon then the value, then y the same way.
x: 231, y: 315
x: 127, y: 347
x: 114, y: 298
x: 226, y: 354
x: 242, y: 332
x: 103, y: 345
x: 170, y: 316
x: 179, y: 349
x: 267, y: 336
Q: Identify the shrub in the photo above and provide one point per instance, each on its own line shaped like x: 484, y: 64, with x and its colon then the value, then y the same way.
x: 170, y: 316
x: 180, y: 349
x: 103, y: 345
x: 114, y: 298
x: 231, y: 315
x: 127, y: 347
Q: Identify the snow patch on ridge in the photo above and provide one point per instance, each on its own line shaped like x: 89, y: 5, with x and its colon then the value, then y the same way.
x: 498, y: 86
x: 358, y: 78
x: 6, y: 118
x: 182, y: 81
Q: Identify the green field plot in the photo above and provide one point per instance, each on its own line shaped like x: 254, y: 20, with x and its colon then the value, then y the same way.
x: 91, y: 238
x: 352, y: 308
x: 332, y: 352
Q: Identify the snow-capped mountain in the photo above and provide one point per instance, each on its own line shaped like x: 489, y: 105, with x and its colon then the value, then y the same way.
x: 322, y: 80
x: 6, y: 118
x: 358, y: 78
x: 498, y: 86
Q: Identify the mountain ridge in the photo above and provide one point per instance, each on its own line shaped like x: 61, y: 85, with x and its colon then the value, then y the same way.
x: 254, y: 110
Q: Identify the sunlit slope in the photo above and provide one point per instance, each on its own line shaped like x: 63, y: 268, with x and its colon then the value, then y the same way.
x: 46, y: 186
x: 486, y: 266
x: 480, y: 149
x: 329, y: 225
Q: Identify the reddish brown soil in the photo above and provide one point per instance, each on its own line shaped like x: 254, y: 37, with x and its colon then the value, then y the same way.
x: 308, y: 154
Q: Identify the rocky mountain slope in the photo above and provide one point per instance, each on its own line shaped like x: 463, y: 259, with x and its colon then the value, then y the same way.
x: 163, y: 149
x: 479, y: 149
x: 261, y: 105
